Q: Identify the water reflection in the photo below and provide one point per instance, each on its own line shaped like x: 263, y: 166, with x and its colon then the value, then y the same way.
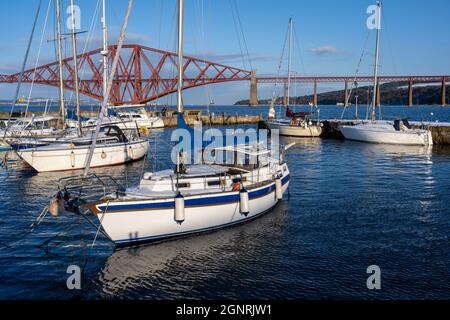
x: 174, y: 268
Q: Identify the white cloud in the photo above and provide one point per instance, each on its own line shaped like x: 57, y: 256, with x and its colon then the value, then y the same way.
x: 325, y: 50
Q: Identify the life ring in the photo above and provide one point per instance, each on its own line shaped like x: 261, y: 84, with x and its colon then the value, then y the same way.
x: 236, y: 186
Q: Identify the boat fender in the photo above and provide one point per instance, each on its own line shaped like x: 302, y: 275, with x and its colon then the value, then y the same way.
x: 278, y: 189
x: 179, y: 209
x: 55, y: 205
x: 131, y: 152
x: 244, y: 203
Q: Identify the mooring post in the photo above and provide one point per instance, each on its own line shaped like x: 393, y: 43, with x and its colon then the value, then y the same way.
x: 253, y: 89
x: 315, y: 93
x: 410, y: 94
x: 346, y: 94
x: 444, y: 99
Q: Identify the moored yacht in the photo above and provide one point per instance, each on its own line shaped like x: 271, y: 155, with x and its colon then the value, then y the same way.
x: 297, y: 124
x: 191, y: 199
x: 113, y: 148
x: 399, y: 132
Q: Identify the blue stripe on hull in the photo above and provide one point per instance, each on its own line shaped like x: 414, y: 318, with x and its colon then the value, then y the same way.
x: 122, y: 243
x: 216, y: 200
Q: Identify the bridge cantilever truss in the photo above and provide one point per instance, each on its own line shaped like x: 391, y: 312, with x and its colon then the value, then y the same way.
x: 144, y: 74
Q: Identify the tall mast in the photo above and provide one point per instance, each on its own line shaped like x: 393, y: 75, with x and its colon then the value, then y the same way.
x: 105, y: 49
x: 75, y: 67
x: 180, y: 56
x: 375, y: 78
x: 289, y: 62
x: 61, y: 80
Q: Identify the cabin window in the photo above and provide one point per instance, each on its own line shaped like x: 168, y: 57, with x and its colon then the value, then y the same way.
x: 237, y: 180
x: 214, y: 183
x: 183, y: 185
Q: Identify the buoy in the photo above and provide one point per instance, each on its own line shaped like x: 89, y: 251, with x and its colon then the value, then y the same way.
x: 179, y: 209
x: 103, y: 155
x: 54, y: 206
x: 244, y: 203
x: 278, y: 189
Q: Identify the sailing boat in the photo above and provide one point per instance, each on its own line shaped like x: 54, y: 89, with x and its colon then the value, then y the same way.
x: 295, y: 124
x: 69, y: 153
x: 192, y: 198
x: 397, y: 132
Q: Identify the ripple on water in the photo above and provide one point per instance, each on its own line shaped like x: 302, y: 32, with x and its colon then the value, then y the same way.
x: 351, y: 205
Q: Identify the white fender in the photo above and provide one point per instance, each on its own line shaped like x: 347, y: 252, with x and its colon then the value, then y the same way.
x: 278, y: 189
x: 179, y: 209
x: 244, y: 203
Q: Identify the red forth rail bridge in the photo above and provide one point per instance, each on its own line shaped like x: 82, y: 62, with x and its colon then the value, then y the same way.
x: 146, y: 74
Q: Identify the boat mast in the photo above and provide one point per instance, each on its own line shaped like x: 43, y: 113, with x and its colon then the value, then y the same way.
x: 288, y: 94
x: 375, y: 78
x: 105, y: 49
x: 180, y: 57
x: 61, y: 80
x: 75, y: 67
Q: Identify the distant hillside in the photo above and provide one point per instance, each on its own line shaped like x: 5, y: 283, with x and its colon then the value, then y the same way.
x: 391, y: 94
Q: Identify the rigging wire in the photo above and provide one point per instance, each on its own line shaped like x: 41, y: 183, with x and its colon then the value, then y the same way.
x: 87, y: 42
x: 243, y: 34
x: 108, y: 91
x: 19, y: 84
x: 356, y: 74
x: 38, y: 56
x: 274, y: 96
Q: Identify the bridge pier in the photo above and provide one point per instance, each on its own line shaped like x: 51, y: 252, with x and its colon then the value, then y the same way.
x: 315, y: 102
x: 444, y: 98
x: 410, y: 94
x: 346, y: 94
x: 253, y: 89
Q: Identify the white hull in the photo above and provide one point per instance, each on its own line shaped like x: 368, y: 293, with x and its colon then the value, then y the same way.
x: 383, y: 134
x: 153, y: 220
x: 296, y: 131
x: 151, y: 123
x: 65, y: 158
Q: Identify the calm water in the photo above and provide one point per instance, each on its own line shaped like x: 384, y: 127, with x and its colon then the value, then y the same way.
x: 351, y: 205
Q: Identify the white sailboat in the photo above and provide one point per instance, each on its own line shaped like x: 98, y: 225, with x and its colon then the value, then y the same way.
x: 398, y: 132
x: 141, y: 119
x: 192, y: 198
x: 71, y: 153
x: 295, y: 124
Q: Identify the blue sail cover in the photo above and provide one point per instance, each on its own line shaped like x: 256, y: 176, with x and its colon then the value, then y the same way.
x: 73, y: 116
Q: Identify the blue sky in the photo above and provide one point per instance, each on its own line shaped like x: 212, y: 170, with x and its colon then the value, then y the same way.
x: 330, y: 37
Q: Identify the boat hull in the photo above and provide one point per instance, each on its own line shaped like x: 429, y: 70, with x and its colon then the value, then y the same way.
x: 413, y: 137
x: 64, y: 159
x: 296, y: 131
x: 132, y: 222
x: 152, y: 123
